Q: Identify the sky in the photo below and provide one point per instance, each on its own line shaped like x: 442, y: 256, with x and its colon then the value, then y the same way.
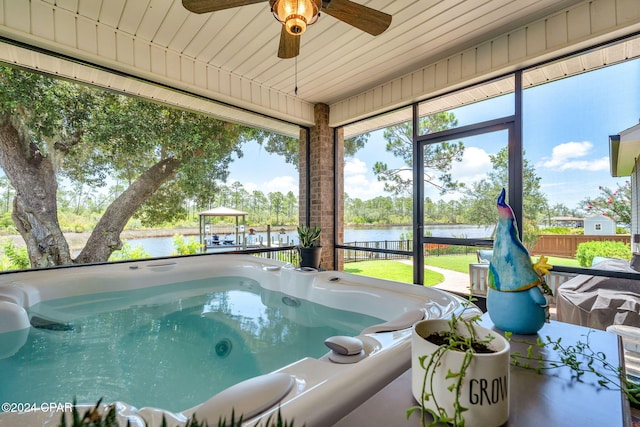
x: 566, y: 131
x: 259, y: 170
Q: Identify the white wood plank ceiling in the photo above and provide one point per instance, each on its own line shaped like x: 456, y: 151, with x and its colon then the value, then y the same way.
x: 230, y: 56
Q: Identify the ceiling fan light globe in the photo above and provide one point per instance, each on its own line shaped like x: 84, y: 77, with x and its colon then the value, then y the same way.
x: 295, y: 25
x: 296, y: 14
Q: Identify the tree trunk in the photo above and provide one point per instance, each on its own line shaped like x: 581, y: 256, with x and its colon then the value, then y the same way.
x: 32, y: 174
x: 105, y: 237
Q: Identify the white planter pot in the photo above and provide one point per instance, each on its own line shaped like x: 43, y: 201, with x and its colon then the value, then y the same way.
x: 485, y: 386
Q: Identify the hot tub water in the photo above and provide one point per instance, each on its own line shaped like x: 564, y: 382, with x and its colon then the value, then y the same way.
x: 170, y: 346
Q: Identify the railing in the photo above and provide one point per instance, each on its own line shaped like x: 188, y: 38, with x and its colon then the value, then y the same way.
x: 547, y: 244
x: 377, y: 250
x: 282, y: 253
x: 478, y: 278
x: 384, y: 249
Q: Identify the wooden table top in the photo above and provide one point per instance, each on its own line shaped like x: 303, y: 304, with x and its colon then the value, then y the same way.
x: 552, y: 399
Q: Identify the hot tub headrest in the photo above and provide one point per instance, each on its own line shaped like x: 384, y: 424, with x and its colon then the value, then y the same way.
x: 248, y: 398
x: 404, y: 321
x: 13, y: 317
x: 14, y: 327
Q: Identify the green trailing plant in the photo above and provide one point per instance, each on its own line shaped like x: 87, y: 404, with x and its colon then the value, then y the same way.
x: 467, y: 342
x: 309, y: 236
x: 95, y: 417
x: 581, y: 359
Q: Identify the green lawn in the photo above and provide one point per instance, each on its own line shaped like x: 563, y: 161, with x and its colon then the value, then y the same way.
x: 452, y: 262
x: 391, y: 270
x: 461, y: 262
x: 402, y: 272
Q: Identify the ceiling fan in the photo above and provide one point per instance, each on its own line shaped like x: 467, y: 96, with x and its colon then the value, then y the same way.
x: 296, y: 15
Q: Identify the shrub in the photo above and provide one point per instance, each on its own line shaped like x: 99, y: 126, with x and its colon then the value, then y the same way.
x: 562, y: 230
x: 134, y: 224
x: 186, y: 247
x: 72, y: 223
x: 128, y: 252
x: 6, y: 223
x: 14, y: 258
x: 589, y: 250
x: 530, y: 234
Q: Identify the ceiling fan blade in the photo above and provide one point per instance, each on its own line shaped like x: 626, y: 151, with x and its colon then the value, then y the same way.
x: 289, y: 45
x: 362, y: 17
x: 205, y: 6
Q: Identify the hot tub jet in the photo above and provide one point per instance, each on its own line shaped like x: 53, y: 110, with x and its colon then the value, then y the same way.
x: 223, y: 347
x: 291, y: 302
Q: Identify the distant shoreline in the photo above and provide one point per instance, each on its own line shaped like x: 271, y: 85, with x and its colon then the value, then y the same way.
x: 77, y: 241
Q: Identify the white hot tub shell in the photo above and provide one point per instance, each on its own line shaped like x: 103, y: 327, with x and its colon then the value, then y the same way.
x: 314, y: 392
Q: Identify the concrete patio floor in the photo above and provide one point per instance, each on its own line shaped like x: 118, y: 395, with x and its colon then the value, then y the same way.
x: 454, y: 281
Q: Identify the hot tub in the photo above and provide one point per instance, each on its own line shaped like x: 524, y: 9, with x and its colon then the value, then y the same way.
x: 315, y: 391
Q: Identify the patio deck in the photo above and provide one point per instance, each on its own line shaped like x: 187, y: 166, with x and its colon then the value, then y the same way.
x: 454, y: 281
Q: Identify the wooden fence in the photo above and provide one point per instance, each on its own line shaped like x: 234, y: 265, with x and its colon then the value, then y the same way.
x: 565, y: 245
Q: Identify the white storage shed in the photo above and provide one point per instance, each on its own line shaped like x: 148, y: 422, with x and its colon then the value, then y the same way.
x: 599, y: 225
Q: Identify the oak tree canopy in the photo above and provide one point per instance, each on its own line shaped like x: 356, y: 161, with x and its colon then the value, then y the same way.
x: 52, y: 129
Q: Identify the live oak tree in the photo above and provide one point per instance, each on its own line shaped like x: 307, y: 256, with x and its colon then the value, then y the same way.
x: 52, y: 129
x: 288, y: 147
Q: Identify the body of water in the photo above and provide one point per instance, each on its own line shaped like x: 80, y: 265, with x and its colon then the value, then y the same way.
x: 163, y: 246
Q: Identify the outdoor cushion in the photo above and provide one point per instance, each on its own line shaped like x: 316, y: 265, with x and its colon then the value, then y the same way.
x: 485, y: 255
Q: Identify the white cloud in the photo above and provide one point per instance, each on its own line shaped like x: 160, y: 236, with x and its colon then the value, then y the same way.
x: 359, y: 182
x: 250, y: 187
x: 360, y: 187
x: 355, y: 167
x: 569, y: 156
x: 474, y: 165
x: 283, y: 184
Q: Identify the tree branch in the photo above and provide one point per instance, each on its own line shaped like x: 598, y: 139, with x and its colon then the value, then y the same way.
x: 105, y: 237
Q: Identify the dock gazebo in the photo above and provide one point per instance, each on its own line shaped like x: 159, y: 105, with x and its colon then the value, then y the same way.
x: 205, y: 228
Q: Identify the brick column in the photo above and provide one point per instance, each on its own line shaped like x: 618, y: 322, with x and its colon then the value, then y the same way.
x: 339, y: 203
x: 323, y: 204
